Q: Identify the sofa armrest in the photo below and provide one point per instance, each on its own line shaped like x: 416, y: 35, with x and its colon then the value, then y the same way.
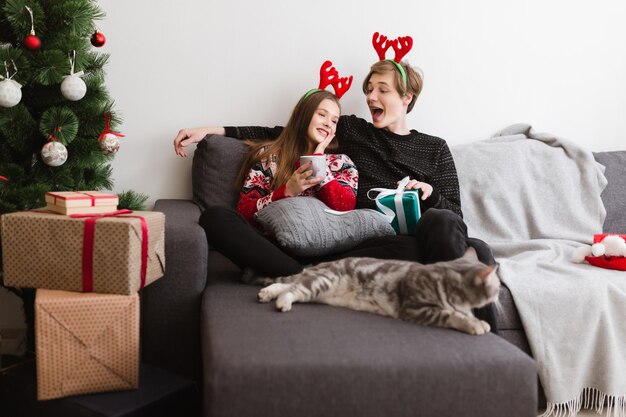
x: 613, y: 195
x: 170, y: 319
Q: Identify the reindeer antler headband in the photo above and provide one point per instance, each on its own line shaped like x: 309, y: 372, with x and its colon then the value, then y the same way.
x: 401, y: 45
x: 330, y: 76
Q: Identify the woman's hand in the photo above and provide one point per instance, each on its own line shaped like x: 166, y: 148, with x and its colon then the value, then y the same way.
x: 298, y: 181
x: 426, y: 189
x: 186, y: 137
x: 321, y: 147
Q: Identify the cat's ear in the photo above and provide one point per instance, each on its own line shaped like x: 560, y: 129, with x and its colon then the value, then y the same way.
x: 483, y: 276
x: 471, y: 254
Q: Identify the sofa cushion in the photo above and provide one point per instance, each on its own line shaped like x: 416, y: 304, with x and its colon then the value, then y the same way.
x: 303, y: 227
x: 327, y: 361
x: 216, y: 163
x: 614, y: 195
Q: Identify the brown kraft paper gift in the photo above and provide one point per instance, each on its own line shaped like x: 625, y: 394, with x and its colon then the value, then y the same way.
x: 48, y: 250
x: 85, y: 343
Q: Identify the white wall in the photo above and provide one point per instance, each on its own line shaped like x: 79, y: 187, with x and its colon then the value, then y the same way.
x: 556, y: 64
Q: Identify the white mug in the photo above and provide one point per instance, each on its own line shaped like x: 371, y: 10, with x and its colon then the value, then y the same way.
x: 318, y: 165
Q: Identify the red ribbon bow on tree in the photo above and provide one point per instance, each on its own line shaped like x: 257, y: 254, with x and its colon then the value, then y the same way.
x: 53, y: 136
x: 107, y: 129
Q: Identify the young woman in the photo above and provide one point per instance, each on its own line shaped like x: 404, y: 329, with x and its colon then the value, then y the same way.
x: 270, y: 173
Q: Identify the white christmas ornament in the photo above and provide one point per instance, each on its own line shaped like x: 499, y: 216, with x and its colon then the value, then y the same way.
x: 54, y: 153
x: 73, y: 88
x: 10, y: 93
x: 110, y: 144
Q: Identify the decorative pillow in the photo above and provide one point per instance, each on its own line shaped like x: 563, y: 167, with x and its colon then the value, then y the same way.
x: 303, y: 227
x: 216, y: 163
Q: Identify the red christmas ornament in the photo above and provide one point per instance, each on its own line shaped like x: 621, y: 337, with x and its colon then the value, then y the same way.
x: 32, y: 42
x: 98, y: 39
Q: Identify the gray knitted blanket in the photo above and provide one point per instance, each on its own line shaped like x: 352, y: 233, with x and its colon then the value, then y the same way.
x: 535, y: 198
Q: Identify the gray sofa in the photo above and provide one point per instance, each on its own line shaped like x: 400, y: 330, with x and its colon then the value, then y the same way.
x: 199, y: 321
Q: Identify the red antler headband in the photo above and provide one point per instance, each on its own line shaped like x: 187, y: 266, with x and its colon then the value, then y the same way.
x: 330, y: 76
x: 401, y: 45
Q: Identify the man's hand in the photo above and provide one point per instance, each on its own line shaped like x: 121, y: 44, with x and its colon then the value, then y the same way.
x: 188, y: 136
x: 426, y: 189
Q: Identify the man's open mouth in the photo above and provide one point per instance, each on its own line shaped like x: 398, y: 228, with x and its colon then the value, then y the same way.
x: 376, y: 112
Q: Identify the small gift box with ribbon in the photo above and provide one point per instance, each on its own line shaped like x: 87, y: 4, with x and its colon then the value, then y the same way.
x: 401, y: 207
x: 81, y: 202
x: 112, y: 253
x: 85, y: 343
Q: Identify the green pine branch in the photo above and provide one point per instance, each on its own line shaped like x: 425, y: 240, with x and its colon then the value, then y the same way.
x: 64, y: 28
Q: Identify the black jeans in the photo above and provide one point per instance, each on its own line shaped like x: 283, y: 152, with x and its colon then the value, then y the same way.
x: 440, y: 235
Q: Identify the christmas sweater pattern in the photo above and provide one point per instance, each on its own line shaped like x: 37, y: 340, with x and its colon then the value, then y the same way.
x: 337, y: 190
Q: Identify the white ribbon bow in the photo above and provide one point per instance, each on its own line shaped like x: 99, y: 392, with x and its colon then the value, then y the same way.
x: 397, y: 199
x: 9, y: 77
x: 72, y: 59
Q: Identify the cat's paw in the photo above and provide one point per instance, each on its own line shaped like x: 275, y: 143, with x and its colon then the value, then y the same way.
x: 486, y: 326
x: 478, y: 327
x: 270, y: 292
x: 265, y: 295
x: 284, y: 301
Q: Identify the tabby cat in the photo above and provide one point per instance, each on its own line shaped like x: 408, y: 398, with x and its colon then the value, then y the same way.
x: 441, y: 294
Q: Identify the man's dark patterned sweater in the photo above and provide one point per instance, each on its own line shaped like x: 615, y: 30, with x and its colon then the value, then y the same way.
x: 383, y: 158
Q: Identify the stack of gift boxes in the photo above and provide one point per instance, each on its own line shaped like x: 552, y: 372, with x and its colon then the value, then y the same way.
x: 88, y: 261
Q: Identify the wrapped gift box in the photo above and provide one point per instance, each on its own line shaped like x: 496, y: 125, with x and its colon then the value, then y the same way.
x: 103, y: 254
x: 85, y: 343
x: 407, y: 207
x: 72, y: 202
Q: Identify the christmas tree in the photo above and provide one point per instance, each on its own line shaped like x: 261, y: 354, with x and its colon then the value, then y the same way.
x: 57, y: 120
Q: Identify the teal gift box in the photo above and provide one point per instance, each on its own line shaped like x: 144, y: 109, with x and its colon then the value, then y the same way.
x: 406, y: 209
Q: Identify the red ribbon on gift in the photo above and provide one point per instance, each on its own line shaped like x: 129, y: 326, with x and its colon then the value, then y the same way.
x: 89, y: 243
x: 88, y: 196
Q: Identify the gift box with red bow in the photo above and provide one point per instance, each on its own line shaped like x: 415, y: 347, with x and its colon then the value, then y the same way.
x: 113, y: 253
x: 84, y: 202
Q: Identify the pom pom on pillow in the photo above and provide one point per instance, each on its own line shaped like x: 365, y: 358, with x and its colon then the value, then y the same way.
x: 608, y: 250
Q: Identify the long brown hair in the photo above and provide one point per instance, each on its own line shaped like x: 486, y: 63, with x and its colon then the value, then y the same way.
x: 290, y: 144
